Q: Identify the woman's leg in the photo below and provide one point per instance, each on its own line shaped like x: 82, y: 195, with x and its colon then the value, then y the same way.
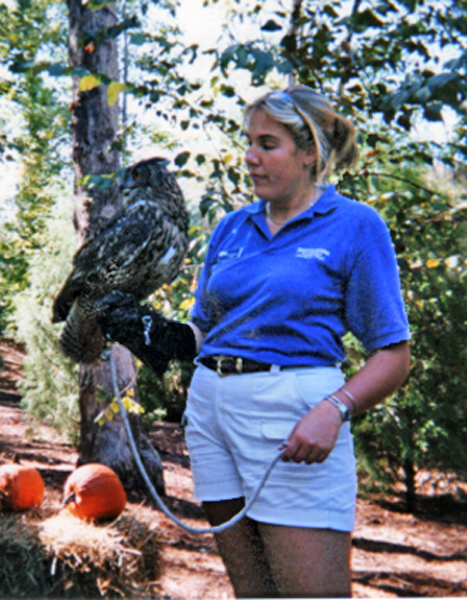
x: 242, y: 551
x: 308, y: 563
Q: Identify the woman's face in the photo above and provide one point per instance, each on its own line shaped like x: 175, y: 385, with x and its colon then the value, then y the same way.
x: 279, y: 170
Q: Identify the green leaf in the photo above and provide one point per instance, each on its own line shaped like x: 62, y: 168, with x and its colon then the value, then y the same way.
x: 97, y: 4
x: 233, y: 175
x: 138, y: 39
x: 57, y: 69
x: 366, y: 18
x: 446, y: 87
x: 423, y: 95
x: 271, y: 26
x: 432, y: 111
x: 330, y: 10
x: 182, y: 158
x: 228, y: 91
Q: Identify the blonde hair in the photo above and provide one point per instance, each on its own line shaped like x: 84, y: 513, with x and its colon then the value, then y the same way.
x: 311, y: 120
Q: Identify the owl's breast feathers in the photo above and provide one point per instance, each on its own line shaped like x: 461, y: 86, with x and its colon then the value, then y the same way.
x: 138, y: 250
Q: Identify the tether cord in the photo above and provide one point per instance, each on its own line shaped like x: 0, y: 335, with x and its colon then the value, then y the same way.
x: 152, y: 489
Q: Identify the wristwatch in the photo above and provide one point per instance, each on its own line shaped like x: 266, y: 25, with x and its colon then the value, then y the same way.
x: 343, y: 409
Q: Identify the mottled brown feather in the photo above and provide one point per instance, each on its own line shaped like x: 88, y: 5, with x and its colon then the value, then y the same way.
x: 138, y: 250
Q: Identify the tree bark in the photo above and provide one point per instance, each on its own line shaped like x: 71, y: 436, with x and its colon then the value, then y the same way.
x: 292, y: 34
x: 108, y: 443
x: 410, y: 487
x: 94, y: 127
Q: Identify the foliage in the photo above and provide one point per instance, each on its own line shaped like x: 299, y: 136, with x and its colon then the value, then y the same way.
x: 50, y: 389
x: 24, y: 35
x: 425, y: 424
x: 164, y: 399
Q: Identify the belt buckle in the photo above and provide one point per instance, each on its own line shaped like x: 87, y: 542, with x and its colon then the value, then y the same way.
x: 238, y: 365
x: 219, y: 366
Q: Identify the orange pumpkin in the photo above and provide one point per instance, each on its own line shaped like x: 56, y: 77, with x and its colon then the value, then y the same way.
x: 94, y: 491
x: 21, y: 487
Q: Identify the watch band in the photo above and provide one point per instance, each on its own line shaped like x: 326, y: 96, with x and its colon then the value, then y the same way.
x: 343, y: 409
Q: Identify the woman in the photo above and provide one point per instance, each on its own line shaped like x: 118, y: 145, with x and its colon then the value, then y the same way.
x: 284, y: 279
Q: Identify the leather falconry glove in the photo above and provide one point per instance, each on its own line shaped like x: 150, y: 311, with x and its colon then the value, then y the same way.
x: 152, y: 338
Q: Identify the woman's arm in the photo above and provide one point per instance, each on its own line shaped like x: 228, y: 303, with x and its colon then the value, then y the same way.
x: 316, y: 433
x: 382, y: 374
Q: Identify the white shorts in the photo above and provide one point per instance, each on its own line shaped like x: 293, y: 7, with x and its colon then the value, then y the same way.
x: 234, y: 426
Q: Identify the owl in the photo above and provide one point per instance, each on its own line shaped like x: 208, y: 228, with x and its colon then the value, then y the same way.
x: 137, y: 251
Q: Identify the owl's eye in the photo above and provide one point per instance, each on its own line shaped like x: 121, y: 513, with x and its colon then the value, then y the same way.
x: 136, y: 174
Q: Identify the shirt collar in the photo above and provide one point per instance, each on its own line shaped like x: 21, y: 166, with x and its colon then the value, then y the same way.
x: 325, y: 203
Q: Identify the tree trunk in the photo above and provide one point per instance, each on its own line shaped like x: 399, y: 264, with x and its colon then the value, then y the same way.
x: 108, y: 443
x: 410, y: 487
x: 292, y: 35
x: 94, y: 126
x: 409, y: 467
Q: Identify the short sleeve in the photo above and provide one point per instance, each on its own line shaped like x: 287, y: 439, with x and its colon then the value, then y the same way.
x: 202, y: 314
x: 374, y: 307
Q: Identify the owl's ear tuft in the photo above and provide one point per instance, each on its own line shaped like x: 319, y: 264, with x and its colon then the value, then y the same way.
x: 159, y: 161
x: 164, y: 162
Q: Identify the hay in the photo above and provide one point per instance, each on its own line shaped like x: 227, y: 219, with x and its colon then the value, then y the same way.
x: 65, y: 557
x: 23, y: 566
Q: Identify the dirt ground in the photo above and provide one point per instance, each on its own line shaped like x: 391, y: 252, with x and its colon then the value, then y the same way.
x: 395, y: 553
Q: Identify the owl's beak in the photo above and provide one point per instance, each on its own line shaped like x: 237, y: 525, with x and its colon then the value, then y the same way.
x: 123, y: 187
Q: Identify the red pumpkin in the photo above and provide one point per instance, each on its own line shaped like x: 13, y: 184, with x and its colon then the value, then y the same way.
x: 94, y: 491
x: 21, y: 487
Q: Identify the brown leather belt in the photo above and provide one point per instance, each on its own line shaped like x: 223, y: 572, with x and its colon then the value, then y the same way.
x: 233, y: 365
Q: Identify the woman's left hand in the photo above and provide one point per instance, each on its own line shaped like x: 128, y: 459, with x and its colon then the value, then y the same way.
x: 314, y: 436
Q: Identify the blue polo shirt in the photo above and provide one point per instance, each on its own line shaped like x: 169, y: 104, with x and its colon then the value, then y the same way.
x: 289, y: 299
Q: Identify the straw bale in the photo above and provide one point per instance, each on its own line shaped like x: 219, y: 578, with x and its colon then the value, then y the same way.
x: 24, y: 564
x: 63, y: 556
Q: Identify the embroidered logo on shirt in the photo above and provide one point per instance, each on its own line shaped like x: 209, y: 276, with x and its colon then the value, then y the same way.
x: 318, y: 253
x: 230, y: 254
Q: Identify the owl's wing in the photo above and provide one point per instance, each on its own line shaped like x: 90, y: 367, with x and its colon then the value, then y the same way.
x: 124, y: 237
x: 108, y: 256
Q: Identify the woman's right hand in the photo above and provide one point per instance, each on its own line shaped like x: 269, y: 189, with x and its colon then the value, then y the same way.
x: 314, y: 436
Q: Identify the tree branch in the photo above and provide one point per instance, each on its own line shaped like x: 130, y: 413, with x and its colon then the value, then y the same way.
x: 404, y: 180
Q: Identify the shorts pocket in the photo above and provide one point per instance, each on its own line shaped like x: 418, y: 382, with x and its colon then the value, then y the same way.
x: 314, y: 385
x: 277, y: 432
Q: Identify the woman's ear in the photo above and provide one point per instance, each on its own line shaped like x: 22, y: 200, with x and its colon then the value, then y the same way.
x: 310, y: 157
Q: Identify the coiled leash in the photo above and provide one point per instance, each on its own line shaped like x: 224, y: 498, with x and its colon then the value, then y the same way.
x: 154, y: 494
